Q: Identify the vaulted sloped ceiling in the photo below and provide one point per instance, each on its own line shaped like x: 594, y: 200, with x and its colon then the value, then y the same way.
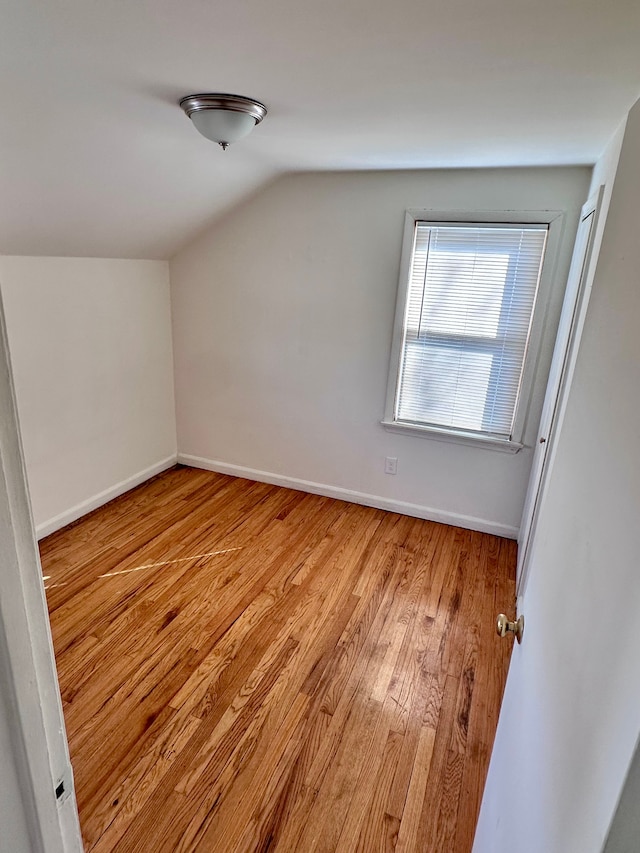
x: 97, y: 159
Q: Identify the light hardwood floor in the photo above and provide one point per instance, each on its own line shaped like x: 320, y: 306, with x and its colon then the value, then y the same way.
x: 249, y: 668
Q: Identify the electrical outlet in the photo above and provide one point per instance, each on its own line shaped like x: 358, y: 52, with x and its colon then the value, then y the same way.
x: 391, y: 465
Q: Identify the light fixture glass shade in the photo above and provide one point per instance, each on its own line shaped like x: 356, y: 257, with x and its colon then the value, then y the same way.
x: 223, y: 118
x: 223, y: 125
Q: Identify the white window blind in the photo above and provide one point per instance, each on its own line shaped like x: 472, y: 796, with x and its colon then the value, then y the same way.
x: 472, y: 291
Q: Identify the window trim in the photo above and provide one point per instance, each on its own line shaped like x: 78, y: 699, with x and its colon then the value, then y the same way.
x: 555, y: 220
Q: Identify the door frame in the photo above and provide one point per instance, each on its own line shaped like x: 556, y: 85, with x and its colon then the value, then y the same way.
x: 574, y: 310
x: 36, y: 722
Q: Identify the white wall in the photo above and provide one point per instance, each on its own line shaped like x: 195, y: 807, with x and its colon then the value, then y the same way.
x: 90, y: 343
x: 570, y: 717
x: 282, y: 323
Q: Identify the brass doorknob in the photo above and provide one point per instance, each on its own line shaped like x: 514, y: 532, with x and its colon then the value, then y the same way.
x: 504, y: 627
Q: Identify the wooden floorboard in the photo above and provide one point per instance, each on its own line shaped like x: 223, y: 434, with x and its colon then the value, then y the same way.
x: 246, y: 668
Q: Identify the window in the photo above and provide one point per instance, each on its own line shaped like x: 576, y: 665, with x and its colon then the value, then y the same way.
x: 466, y: 306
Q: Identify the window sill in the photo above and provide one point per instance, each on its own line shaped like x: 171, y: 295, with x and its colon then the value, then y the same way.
x: 487, y: 442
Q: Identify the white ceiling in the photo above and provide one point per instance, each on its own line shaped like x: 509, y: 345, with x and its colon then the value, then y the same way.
x: 96, y: 158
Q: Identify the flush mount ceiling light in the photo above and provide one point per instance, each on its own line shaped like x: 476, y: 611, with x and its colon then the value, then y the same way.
x: 223, y: 118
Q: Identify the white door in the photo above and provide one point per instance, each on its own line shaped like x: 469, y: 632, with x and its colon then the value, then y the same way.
x: 570, y: 718
x: 562, y: 365
x: 37, y: 803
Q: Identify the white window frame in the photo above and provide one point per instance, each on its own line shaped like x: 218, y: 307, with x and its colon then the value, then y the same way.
x: 554, y: 220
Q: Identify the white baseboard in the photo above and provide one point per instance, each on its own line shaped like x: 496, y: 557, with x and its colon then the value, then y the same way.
x: 77, y: 511
x: 416, y: 510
